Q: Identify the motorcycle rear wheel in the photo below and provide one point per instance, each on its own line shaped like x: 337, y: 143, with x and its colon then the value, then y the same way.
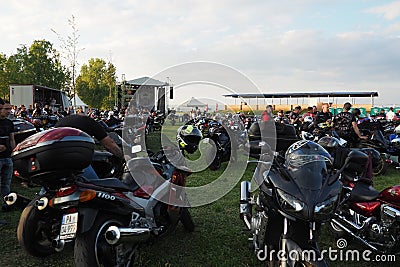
x: 92, y: 249
x: 34, y: 230
x: 381, y: 167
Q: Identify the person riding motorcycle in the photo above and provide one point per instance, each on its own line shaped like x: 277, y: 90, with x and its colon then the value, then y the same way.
x: 91, y: 127
x: 345, y: 124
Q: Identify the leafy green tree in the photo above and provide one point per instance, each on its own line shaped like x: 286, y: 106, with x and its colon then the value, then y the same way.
x: 3, y: 76
x: 39, y: 64
x: 94, y: 83
x: 43, y: 65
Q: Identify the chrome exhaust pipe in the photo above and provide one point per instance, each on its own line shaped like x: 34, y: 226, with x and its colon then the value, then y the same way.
x: 10, y: 199
x: 116, y: 235
x: 41, y: 203
x: 58, y: 244
x: 354, y: 225
x: 353, y: 235
x: 245, y: 207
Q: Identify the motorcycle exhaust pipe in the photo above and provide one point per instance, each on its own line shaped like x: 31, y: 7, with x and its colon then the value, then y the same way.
x: 58, y: 244
x: 353, y: 235
x: 10, y: 199
x: 245, y: 208
x: 116, y: 235
x: 41, y: 203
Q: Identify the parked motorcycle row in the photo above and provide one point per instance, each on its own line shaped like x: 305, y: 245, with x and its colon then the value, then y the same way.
x: 383, y: 140
x: 303, y: 181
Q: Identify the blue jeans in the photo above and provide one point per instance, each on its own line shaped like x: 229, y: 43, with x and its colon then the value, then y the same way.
x: 6, y: 171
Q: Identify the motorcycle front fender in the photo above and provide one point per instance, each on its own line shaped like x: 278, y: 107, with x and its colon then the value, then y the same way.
x: 294, y: 253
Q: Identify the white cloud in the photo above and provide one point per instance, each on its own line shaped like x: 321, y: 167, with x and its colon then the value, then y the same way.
x: 388, y: 11
x: 261, y: 38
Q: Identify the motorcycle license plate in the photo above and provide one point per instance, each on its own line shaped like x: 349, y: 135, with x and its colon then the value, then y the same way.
x: 69, y: 225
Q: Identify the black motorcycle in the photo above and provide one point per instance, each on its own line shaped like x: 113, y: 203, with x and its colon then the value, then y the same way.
x: 297, y: 192
x: 108, y: 218
x: 225, y: 147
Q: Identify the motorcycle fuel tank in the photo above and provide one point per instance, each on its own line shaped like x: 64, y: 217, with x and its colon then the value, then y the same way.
x: 391, y: 195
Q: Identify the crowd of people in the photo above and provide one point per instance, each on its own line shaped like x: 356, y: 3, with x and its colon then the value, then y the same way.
x: 345, y: 123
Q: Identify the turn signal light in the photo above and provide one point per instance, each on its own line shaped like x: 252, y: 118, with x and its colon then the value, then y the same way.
x: 87, y: 195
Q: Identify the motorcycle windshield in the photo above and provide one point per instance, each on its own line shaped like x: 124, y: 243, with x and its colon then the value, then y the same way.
x: 309, y: 171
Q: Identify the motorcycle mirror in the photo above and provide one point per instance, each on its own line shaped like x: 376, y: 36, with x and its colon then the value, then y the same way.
x: 136, y: 149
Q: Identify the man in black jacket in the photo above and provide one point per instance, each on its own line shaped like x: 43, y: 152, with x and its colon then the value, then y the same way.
x: 7, y: 144
x: 345, y: 124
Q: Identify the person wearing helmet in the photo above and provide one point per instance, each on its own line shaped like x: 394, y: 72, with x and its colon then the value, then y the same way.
x: 188, y: 138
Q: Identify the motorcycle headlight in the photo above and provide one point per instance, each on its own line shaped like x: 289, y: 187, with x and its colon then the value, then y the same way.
x: 289, y: 202
x: 326, y: 208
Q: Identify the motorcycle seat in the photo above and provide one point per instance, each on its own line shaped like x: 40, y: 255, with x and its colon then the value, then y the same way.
x: 113, y: 183
x: 363, y: 192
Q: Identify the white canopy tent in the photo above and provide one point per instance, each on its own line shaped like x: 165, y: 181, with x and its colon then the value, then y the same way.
x: 76, y: 101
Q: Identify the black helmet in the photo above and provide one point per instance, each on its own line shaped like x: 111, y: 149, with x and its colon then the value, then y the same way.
x: 329, y: 143
x: 306, y: 161
x: 188, y: 138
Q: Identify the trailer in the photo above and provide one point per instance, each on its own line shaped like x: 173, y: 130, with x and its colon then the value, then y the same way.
x: 29, y: 94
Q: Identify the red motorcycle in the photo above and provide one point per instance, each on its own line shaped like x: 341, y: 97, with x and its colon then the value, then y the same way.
x: 369, y: 216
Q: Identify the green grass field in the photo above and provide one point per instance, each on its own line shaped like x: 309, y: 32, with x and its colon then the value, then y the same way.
x: 217, y: 241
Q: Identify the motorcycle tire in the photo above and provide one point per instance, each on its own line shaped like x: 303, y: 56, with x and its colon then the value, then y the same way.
x: 91, y: 248
x: 187, y: 220
x: 34, y: 229
x: 381, y: 167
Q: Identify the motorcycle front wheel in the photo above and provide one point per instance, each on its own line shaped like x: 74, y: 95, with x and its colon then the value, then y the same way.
x: 92, y: 249
x: 381, y: 166
x: 34, y: 230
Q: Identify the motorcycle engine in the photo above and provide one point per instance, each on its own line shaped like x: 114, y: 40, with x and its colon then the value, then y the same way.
x: 389, y: 215
x: 387, y: 231
x: 259, y: 223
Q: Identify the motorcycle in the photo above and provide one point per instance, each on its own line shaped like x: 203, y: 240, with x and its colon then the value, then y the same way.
x: 377, y: 141
x: 366, y: 215
x: 224, y: 149
x: 107, y: 219
x: 23, y: 129
x: 296, y: 194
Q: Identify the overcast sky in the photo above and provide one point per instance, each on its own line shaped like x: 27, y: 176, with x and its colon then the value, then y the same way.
x: 282, y: 46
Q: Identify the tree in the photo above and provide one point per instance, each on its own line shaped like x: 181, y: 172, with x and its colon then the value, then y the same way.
x: 39, y: 64
x: 71, y: 52
x: 3, y: 76
x: 43, y: 66
x: 94, y: 83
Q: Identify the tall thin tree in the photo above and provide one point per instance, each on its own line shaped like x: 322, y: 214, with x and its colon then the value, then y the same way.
x: 70, y: 46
